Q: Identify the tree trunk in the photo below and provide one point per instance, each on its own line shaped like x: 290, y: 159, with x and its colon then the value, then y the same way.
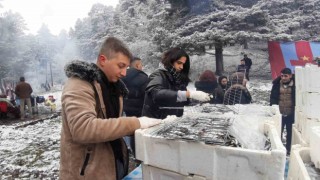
x: 2, y: 87
x: 219, y: 59
x: 245, y: 44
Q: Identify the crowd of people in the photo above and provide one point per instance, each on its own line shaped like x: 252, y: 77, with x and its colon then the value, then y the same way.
x: 227, y: 90
x: 104, y: 101
x: 20, y: 103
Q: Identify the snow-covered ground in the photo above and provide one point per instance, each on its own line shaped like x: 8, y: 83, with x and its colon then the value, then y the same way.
x: 32, y: 152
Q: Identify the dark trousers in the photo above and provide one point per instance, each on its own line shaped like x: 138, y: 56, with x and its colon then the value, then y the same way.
x: 247, y: 74
x: 287, y: 122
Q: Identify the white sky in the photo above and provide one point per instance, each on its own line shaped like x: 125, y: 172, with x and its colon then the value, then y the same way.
x: 57, y: 14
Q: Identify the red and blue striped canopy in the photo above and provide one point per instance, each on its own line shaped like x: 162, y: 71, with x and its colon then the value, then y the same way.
x: 291, y: 54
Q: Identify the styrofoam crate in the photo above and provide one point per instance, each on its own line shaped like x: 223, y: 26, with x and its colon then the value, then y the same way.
x: 297, y: 168
x: 212, y: 161
x: 312, y: 72
x: 299, y: 118
x: 153, y: 173
x: 268, y: 113
x: 305, y: 76
x: 306, y: 128
x: 299, y: 101
x: 297, y: 137
x: 299, y: 80
x: 310, y: 104
x: 315, y: 145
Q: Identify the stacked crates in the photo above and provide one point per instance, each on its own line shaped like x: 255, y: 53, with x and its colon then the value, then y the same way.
x: 178, y: 159
x: 306, y: 130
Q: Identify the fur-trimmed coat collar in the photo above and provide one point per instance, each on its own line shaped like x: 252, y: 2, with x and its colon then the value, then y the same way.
x: 90, y: 72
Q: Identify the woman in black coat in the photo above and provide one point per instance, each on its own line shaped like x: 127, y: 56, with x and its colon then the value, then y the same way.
x: 166, y: 92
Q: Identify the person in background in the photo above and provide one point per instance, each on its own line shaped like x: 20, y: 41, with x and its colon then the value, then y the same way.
x: 248, y: 63
x: 237, y: 93
x: 283, y: 94
x: 207, y: 83
x: 243, y: 68
x: 220, y: 91
x: 7, y: 109
x: 51, y: 102
x: 23, y: 91
x: 166, y: 92
x: 91, y: 145
x: 136, y: 81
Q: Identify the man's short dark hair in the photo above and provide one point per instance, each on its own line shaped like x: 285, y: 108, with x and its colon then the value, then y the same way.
x: 113, y: 45
x: 22, y: 79
x: 286, y: 71
x: 134, y: 59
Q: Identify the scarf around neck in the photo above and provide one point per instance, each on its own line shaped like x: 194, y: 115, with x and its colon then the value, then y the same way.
x: 177, y: 76
x: 111, y: 93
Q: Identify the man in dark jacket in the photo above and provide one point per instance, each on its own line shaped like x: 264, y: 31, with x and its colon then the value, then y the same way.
x: 243, y: 68
x: 23, y: 90
x: 248, y: 63
x: 136, y: 81
x: 283, y: 94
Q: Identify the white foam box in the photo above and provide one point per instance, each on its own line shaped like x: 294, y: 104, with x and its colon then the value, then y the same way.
x: 298, y: 105
x: 299, y: 78
x: 311, y: 72
x: 297, y: 170
x: 305, y: 76
x: 212, y: 161
x: 153, y: 173
x: 315, y: 145
x: 299, y: 118
x: 310, y: 104
x: 306, y: 128
x: 297, y: 137
x: 277, y: 118
x: 300, y: 81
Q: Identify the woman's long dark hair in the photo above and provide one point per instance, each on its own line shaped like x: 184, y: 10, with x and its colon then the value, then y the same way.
x: 173, y: 55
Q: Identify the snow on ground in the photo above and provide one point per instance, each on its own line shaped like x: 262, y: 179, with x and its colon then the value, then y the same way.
x: 32, y: 152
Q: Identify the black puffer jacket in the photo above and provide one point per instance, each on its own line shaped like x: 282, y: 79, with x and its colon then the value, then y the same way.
x: 136, y: 81
x: 161, y: 96
x: 275, y: 91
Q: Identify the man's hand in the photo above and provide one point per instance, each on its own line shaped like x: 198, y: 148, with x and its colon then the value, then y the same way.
x: 146, y: 122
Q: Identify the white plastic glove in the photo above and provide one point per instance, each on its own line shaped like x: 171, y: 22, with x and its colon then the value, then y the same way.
x: 200, y: 96
x: 146, y: 122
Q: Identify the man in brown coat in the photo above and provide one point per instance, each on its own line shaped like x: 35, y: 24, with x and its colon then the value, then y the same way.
x: 23, y: 90
x: 92, y: 146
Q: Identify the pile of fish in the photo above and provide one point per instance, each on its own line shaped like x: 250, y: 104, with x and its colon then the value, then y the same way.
x: 210, y: 130
x: 203, y: 123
